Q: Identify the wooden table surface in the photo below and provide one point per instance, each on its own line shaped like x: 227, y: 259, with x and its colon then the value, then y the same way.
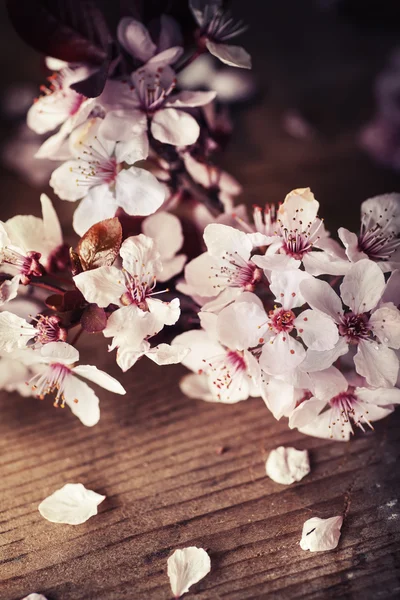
x: 156, y: 454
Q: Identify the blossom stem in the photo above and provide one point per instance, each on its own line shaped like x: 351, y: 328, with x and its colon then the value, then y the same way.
x: 77, y: 336
x: 46, y: 286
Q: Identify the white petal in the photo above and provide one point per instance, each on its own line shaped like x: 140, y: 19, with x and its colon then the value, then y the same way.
x: 320, y: 296
x: 99, y: 204
x: 318, y: 361
x: 278, y: 396
x: 138, y: 192
x: 172, y: 267
x: 381, y: 396
x: 275, y: 262
x: 328, y: 383
x: 163, y: 354
x: 135, y: 38
x: 363, y: 286
x: 190, y: 99
x: 350, y: 242
x: 135, y: 148
x: 381, y: 209
x: 302, y: 201
x: 164, y: 313
x: 201, y: 348
x: 287, y: 465
x: 102, y: 286
x: 186, y: 567
x: 129, y: 326
x: 140, y: 257
x: 241, y: 325
x: 306, y: 413
x: 102, y: 379
x: 323, y: 263
x: 14, y: 332
x: 167, y: 57
x: 196, y: 386
x: 222, y: 240
x: 285, y: 285
x: 392, y: 290
x: 82, y: 401
x: 9, y: 289
x: 282, y: 354
x: 171, y: 126
x: 51, y: 222
x: 377, y: 363
x: 124, y: 126
x: 73, y: 504
x: 225, y: 297
x: 58, y: 352
x: 166, y: 231
x: 321, y: 534
x: 385, y: 323
x: 35, y: 596
x: 317, y: 330
x: 198, y: 275
x: 64, y: 181
x: 234, y: 56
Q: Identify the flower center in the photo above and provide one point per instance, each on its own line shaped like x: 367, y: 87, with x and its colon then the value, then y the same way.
x: 138, y: 289
x: 52, y: 380
x: 282, y: 320
x: 234, y: 271
x: 378, y: 242
x: 226, y: 370
x: 347, y: 409
x: 96, y: 166
x: 150, y: 91
x: 49, y: 330
x: 220, y: 26
x: 354, y: 327
x: 27, y: 266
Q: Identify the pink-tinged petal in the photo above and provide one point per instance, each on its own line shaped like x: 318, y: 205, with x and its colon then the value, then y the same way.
x: 14, y: 332
x: 65, y: 181
x: 100, y: 378
x: 73, y: 504
x: 124, y: 125
x: 328, y: 383
x: 56, y: 147
x: 169, y: 56
x: 222, y: 240
x: 171, y: 126
x: 241, y: 325
x: 9, y: 290
x: 166, y: 231
x: 99, y: 204
x: 46, y: 114
x: 186, y: 567
x: 171, y: 267
x: 232, y: 85
x: 302, y: 201
x: 392, y: 289
x: 281, y: 355
x: 82, y: 401
x: 102, y: 286
x: 278, y: 396
x: 379, y: 209
x: 234, y: 56
x: 286, y: 287
x: 317, y: 330
x: 363, y: 286
x: 381, y: 396
x: 134, y: 149
x: 287, y: 465
x: 201, y: 346
x: 129, y: 326
x: 163, y: 354
x: 208, y: 322
x: 377, y: 363
x: 164, y: 313
x: 322, y: 427
x: 276, y: 262
x: 58, y: 352
x: 320, y: 296
x: 196, y: 386
x: 135, y: 38
x: 318, y: 361
x: 320, y: 535
x: 199, y: 7
x: 139, y: 250
x: 306, y: 413
x: 385, y: 323
x: 190, y: 99
x: 197, y: 275
x: 51, y: 222
x: 227, y: 296
x: 127, y: 357
x: 138, y: 192
x: 350, y: 242
x: 323, y: 263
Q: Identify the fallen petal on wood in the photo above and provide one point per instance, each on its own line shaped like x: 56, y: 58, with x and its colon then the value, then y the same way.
x: 73, y: 504
x: 320, y: 535
x: 287, y: 465
x: 186, y: 567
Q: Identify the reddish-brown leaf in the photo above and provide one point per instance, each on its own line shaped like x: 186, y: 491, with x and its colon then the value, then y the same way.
x: 100, y: 245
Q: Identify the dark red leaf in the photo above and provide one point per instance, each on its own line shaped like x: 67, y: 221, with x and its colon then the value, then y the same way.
x: 100, y: 245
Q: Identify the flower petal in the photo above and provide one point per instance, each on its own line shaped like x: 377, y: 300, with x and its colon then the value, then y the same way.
x: 350, y: 242
x: 73, y: 504
x: 186, y: 567
x: 102, y: 379
x: 164, y: 313
x: 318, y: 361
x: 14, y: 332
x: 321, y: 534
x: 377, y: 363
x: 35, y: 597
x: 64, y: 181
x: 234, y: 56
x: 302, y: 201
x: 222, y: 240
x: 285, y: 285
x: 166, y: 230
x: 381, y: 396
x: 138, y: 192
x: 51, y: 222
x: 102, y: 286
x: 171, y: 126
x: 363, y: 286
x: 164, y: 354
x: 82, y: 401
x: 58, y: 352
x: 385, y: 323
x: 275, y: 262
x: 99, y: 204
x: 189, y: 99
x: 9, y: 290
x: 201, y: 348
x: 196, y: 386
x: 136, y: 40
x: 317, y: 330
x: 241, y: 325
x: 278, y: 396
x: 320, y: 296
x: 306, y: 412
x: 287, y: 465
x: 282, y: 354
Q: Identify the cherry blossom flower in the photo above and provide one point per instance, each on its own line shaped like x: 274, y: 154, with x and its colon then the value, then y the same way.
x: 59, y: 105
x: 221, y: 374
x: 57, y: 373
x: 336, y: 407
x: 166, y: 231
x: 15, y: 332
x: 225, y: 270
x: 137, y: 41
x: 370, y: 323
x: 140, y: 315
x: 98, y: 175
x: 287, y: 465
x: 148, y: 101
x: 186, y: 567
x: 73, y: 504
x: 298, y: 231
x: 320, y: 535
x: 378, y: 237
x: 217, y: 29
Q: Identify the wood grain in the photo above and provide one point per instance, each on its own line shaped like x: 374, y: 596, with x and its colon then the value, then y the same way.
x: 155, y: 454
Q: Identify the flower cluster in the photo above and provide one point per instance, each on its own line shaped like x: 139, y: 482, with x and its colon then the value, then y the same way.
x: 269, y: 305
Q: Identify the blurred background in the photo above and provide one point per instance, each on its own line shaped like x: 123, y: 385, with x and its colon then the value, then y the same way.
x: 321, y: 115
